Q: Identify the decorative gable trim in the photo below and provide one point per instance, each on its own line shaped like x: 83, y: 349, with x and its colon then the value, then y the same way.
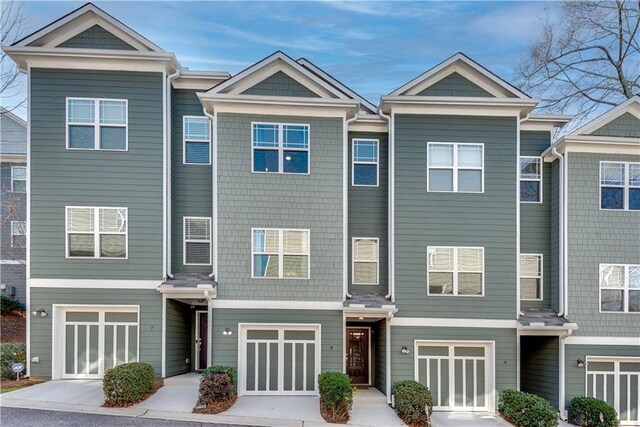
x: 631, y: 106
x: 269, y: 66
x: 467, y: 68
x: 80, y: 20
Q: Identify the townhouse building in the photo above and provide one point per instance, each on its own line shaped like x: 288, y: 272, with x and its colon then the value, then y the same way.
x: 13, y: 204
x: 277, y: 222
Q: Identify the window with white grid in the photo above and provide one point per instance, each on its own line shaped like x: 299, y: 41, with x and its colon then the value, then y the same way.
x: 97, y: 124
x: 280, y: 253
x: 455, y: 271
x: 96, y: 232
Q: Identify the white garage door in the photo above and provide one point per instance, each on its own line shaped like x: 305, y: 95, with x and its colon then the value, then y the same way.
x: 617, y: 382
x: 460, y: 375
x: 281, y: 359
x: 97, y: 340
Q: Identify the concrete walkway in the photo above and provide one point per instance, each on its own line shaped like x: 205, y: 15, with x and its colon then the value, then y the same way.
x: 179, y: 394
x: 467, y: 419
x: 370, y: 409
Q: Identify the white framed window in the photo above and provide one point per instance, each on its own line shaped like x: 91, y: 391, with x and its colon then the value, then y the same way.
x: 365, y: 260
x: 620, y: 288
x: 196, y: 137
x: 197, y: 240
x: 280, y: 148
x: 97, y: 232
x: 620, y: 186
x: 531, y: 277
x: 364, y: 165
x: 457, y: 271
x: 18, y: 234
x: 530, y: 179
x: 455, y: 167
x: 279, y: 253
x: 97, y: 124
x: 18, y: 179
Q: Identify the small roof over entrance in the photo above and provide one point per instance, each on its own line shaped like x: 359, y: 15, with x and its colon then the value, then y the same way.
x: 544, y: 321
x: 195, y: 289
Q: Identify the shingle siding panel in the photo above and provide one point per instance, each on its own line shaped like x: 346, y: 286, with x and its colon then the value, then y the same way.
x: 626, y: 126
x: 455, y: 85
x: 96, y: 37
x: 280, y: 84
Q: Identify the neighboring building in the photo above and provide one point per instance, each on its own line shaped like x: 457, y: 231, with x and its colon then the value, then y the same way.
x: 13, y: 204
x: 278, y: 222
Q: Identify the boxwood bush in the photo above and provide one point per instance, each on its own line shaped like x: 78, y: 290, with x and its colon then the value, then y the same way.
x: 233, y: 374
x: 127, y: 383
x: 592, y: 412
x: 11, y: 353
x: 336, y: 396
x: 527, y: 410
x: 413, y: 402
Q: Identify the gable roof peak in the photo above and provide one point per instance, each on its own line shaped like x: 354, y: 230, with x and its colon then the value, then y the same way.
x: 631, y: 105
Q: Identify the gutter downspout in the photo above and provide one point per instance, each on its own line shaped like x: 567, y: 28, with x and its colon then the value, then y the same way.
x: 168, y: 128
x: 561, y: 234
x: 391, y: 211
x: 209, y: 298
x: 214, y: 190
x: 345, y: 204
x: 561, y: 374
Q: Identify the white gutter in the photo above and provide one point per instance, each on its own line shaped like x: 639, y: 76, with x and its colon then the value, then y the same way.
x: 561, y: 233
x: 561, y: 373
x: 345, y: 204
x: 167, y: 173
x: 214, y: 192
x: 391, y: 208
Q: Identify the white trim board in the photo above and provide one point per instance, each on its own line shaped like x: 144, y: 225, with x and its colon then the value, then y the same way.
x: 454, y: 322
x: 579, y: 340
x: 278, y: 305
x: 93, y: 284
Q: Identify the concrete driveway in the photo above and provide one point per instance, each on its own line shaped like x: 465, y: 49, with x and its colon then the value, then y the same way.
x: 467, y: 419
x: 79, y: 392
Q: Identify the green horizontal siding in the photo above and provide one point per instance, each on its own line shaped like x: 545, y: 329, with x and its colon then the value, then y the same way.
x: 539, y: 367
x: 179, y: 340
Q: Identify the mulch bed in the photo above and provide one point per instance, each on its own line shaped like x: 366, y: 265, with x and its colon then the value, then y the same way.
x: 216, y: 407
x: 10, y: 385
x: 13, y: 328
x: 155, y: 388
x: 328, y: 417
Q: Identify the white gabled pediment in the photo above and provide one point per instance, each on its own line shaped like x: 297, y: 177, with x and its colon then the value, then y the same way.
x: 271, y: 66
x: 629, y: 108
x: 83, y: 19
x: 459, y: 67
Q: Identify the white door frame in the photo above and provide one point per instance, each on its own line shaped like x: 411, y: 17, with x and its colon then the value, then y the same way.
x: 199, y: 350
x: 280, y: 327
x: 368, y: 328
x: 490, y: 381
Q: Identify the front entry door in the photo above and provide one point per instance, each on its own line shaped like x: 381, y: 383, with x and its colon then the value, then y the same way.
x: 202, y: 322
x: 358, y: 355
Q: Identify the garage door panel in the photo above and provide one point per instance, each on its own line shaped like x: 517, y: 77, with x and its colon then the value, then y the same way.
x: 618, y: 384
x: 273, y: 366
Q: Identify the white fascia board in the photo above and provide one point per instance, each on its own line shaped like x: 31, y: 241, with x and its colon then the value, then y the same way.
x: 454, y: 322
x: 369, y: 123
x: 593, y: 144
x: 277, y: 305
x: 539, y: 122
x: 457, y: 105
x: 93, y: 284
x: 459, y: 57
x: 578, y: 340
x: 199, y: 80
x: 631, y: 105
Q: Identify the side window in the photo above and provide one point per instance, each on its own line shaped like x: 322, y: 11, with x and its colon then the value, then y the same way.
x: 18, y: 234
x: 197, y: 241
x: 619, y: 186
x: 455, y: 167
x: 280, y: 148
x: 620, y: 288
x: 196, y: 135
x: 365, y: 261
x: 97, y: 124
x: 19, y: 179
x: 531, y: 179
x: 365, y: 162
x: 530, y: 277
x: 96, y: 232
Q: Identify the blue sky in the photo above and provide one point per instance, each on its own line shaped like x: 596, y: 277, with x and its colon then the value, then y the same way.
x: 372, y: 47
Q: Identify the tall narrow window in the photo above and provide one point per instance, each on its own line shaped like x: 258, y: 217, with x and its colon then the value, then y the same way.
x: 530, y: 277
x: 619, y: 186
x: 19, y: 179
x: 280, y: 253
x: 365, y: 261
x: 197, y: 241
x: 620, y: 288
x: 280, y: 148
x: 365, y: 162
x: 96, y: 232
x: 531, y: 179
x: 455, y: 271
x: 18, y: 234
x: 455, y: 167
x: 97, y: 124
x: 196, y: 132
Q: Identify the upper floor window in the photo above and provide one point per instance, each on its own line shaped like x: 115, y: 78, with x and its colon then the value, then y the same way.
x: 280, y: 148
x: 455, y: 167
x: 18, y: 234
x: 620, y: 288
x: 620, y: 185
x: 196, y: 134
x: 96, y: 232
x: 530, y: 277
x: 97, y: 124
x: 19, y: 179
x: 455, y: 271
x: 280, y: 253
x: 365, y: 261
x: 531, y: 179
x: 197, y: 241
x: 365, y: 162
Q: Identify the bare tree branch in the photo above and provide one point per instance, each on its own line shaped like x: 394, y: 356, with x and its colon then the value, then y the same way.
x: 12, y: 22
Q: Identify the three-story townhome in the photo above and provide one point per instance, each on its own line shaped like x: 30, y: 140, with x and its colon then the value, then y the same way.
x: 277, y: 222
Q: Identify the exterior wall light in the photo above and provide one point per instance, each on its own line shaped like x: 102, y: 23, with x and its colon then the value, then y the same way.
x: 39, y: 313
x: 580, y: 363
x: 404, y: 350
x: 227, y: 332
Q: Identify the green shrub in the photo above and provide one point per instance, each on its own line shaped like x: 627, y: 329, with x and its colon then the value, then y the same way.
x: 8, y: 305
x: 413, y: 402
x: 215, y: 387
x: 11, y: 353
x: 127, y: 383
x: 336, y: 395
x: 592, y: 412
x: 222, y: 370
x: 526, y: 409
